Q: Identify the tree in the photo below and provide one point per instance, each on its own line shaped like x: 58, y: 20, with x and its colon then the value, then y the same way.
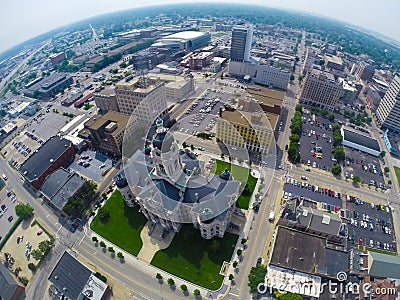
x: 235, y: 264
x: 331, y: 117
x: 324, y: 112
x: 159, y: 276
x: 103, y: 214
x: 299, y: 108
x: 32, y: 267
x: 256, y: 276
x: 111, y: 249
x: 294, y: 138
x: 95, y: 239
x: 240, y: 160
x: 222, y: 155
x: 336, y: 170
x: 196, y: 293
x: 382, y: 154
x: 184, y: 288
x: 120, y: 255
x: 339, y: 154
x: 102, y: 244
x: 23, y: 211
x: 300, y: 78
x: 243, y: 241
x: 239, y: 252
x: 291, y: 77
x: 386, y: 169
x: 356, y: 179
x: 44, y: 246
x: 170, y: 282
x: 389, y: 182
x: 293, y: 153
x: 36, y: 254
x: 231, y: 277
x: 290, y: 296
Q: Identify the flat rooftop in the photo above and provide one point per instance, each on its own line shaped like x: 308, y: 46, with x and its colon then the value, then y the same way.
x: 298, y: 251
x: 185, y: 35
x: 44, y: 157
x: 242, y: 117
x: 119, y: 119
x: 361, y: 140
x: 266, y: 95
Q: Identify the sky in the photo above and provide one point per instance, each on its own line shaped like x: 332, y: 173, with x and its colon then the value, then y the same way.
x: 21, y: 20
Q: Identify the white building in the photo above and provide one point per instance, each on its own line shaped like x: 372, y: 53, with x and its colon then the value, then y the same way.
x: 242, y: 36
x: 273, y: 77
x: 388, y: 111
x: 149, y: 93
x: 179, y: 89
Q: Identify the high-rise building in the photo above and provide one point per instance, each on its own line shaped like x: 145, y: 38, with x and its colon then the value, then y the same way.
x: 242, y: 36
x: 149, y: 93
x: 271, y: 76
x: 320, y: 88
x: 388, y: 111
x: 365, y: 71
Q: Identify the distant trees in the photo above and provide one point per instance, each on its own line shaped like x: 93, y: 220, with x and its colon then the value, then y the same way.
x: 256, y: 276
x: 336, y: 170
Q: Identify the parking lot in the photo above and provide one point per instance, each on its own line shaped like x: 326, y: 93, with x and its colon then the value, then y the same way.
x: 316, y: 143
x: 17, y: 246
x: 7, y: 213
x: 366, y: 166
x: 293, y: 188
x: 92, y: 165
x: 370, y: 225
x: 201, y: 116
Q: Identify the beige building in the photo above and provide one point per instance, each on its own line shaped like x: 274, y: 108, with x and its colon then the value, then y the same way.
x: 149, y: 93
x: 320, y: 88
x: 388, y: 111
x: 106, y: 100
x: 179, y: 89
x: 250, y: 130
x: 271, y: 76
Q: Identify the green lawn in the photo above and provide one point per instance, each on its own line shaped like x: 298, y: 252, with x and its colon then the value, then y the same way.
x: 195, y: 259
x: 241, y: 174
x: 397, y: 170
x: 124, y: 225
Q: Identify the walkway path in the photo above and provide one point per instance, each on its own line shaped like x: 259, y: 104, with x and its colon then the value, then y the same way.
x: 152, y: 243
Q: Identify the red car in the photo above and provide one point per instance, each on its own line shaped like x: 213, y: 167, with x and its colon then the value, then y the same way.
x: 313, y: 154
x: 336, y: 209
x: 39, y: 232
x: 360, y: 241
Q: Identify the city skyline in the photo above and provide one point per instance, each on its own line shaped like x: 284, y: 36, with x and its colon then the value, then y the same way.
x: 40, y: 21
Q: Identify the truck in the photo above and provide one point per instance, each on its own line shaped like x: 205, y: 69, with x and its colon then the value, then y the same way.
x: 271, y: 216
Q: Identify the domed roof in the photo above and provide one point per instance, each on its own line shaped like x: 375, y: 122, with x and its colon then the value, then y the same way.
x: 120, y: 181
x: 225, y: 174
x: 163, y: 141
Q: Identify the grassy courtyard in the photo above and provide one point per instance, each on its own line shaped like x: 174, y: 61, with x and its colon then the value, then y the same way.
x: 397, y: 170
x: 241, y: 174
x: 123, y: 226
x: 195, y: 259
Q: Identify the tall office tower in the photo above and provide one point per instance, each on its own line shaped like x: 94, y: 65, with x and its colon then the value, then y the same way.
x: 142, y: 96
x: 242, y: 36
x: 320, y: 88
x: 388, y: 111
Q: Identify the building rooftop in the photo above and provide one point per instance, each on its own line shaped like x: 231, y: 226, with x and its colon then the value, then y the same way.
x: 70, y: 276
x: 243, y: 118
x: 44, y: 157
x: 266, y: 95
x: 185, y: 35
x: 333, y: 59
x: 298, y: 251
x: 318, y: 220
x: 60, y: 185
x: 361, y: 140
x: 383, y: 265
x: 120, y: 120
x: 8, y: 285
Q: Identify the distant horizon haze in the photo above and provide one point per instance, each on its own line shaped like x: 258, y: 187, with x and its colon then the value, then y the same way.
x: 23, y: 20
